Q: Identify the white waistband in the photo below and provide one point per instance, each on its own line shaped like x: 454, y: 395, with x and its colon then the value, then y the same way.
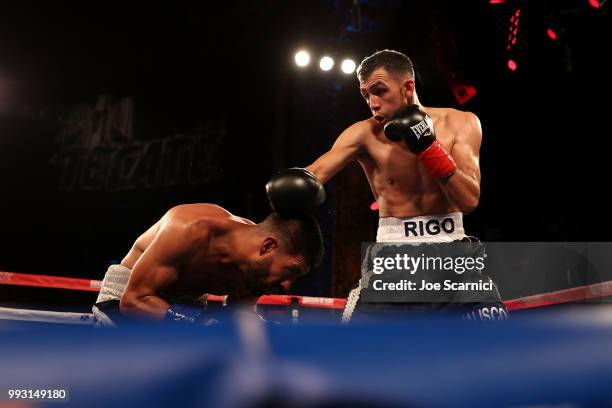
x: 114, y: 283
x: 426, y: 228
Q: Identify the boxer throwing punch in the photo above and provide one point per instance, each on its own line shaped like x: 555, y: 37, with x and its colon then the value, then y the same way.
x: 422, y: 163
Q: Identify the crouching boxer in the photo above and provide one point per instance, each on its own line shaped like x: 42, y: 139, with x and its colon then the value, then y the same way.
x: 198, y: 249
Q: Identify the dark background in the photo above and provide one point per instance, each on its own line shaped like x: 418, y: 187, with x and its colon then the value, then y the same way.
x: 218, y: 79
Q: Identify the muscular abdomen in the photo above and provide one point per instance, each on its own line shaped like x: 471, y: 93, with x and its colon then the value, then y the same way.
x: 401, y: 185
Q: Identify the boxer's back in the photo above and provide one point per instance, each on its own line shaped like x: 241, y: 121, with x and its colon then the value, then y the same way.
x: 180, y: 214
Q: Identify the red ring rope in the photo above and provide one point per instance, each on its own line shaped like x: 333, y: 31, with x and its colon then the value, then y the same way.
x: 578, y: 294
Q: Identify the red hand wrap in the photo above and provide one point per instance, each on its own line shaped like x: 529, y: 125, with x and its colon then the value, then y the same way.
x: 438, y: 161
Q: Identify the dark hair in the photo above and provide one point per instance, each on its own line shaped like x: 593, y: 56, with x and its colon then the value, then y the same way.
x: 298, y: 236
x: 394, y: 62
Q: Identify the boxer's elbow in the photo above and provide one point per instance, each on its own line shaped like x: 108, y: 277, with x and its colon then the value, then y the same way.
x: 128, y: 305
x: 144, y: 307
x: 469, y: 204
x: 469, y: 208
x: 133, y: 306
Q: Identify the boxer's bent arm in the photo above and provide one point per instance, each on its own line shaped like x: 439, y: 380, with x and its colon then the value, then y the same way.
x: 346, y: 148
x: 157, y: 269
x: 463, y: 188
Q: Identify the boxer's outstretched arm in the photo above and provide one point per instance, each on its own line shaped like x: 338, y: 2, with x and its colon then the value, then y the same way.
x: 346, y: 148
x: 463, y: 188
x: 157, y: 269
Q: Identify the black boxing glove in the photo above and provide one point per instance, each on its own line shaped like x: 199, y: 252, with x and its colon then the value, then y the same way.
x: 294, y: 192
x: 415, y: 128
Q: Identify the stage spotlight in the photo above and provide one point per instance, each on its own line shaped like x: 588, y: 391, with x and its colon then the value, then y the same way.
x: 302, y: 58
x: 326, y: 63
x: 348, y: 66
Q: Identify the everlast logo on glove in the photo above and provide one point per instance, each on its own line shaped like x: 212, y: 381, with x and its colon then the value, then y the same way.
x: 431, y: 227
x: 421, y: 128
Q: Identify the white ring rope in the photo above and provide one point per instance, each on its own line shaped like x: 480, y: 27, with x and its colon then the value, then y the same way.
x: 46, y: 316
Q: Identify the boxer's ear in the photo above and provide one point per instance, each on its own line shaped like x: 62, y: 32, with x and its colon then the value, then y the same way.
x: 268, y: 245
x: 407, y: 86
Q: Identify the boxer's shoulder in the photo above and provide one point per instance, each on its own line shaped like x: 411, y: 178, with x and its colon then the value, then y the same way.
x: 457, y: 119
x: 191, y: 212
x: 371, y: 125
x: 241, y: 220
x: 359, y: 131
x: 364, y: 132
x: 454, y: 122
x: 198, y: 220
x: 450, y: 115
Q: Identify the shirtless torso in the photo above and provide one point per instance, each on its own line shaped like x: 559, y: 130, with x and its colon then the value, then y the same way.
x: 401, y: 185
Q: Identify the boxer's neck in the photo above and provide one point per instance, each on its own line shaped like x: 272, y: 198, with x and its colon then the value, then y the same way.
x: 235, y: 245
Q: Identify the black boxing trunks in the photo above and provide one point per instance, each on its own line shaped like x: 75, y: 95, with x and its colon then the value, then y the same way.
x: 482, y: 306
